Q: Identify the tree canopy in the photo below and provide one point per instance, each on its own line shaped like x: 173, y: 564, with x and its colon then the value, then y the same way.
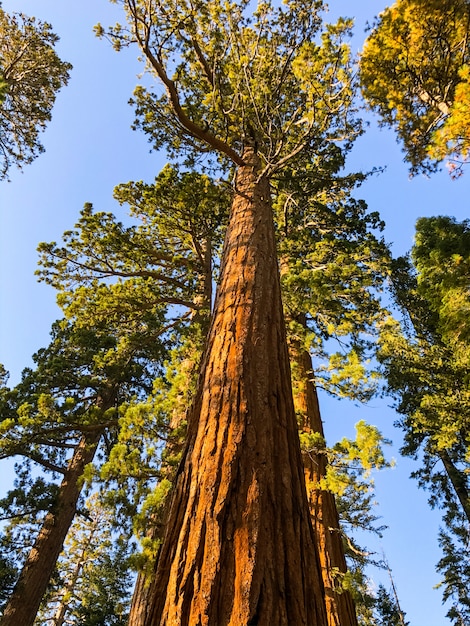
x: 31, y: 74
x: 414, y: 71
x: 233, y: 75
x: 426, y: 366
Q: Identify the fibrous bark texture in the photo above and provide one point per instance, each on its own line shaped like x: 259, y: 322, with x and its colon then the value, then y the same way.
x: 26, y: 597
x: 339, y: 603
x: 239, y: 546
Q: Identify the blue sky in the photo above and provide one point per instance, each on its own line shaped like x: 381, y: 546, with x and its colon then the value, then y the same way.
x: 90, y: 148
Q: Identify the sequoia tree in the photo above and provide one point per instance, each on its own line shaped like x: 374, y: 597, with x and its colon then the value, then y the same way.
x: 31, y: 74
x: 415, y: 74
x: 239, y: 545
x: 103, y: 267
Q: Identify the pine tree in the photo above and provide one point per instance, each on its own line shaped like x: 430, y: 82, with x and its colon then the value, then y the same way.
x: 426, y: 364
x: 64, y: 408
x: 93, y: 578
x: 31, y: 74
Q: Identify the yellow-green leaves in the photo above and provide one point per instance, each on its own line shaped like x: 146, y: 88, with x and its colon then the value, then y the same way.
x: 414, y: 73
x: 237, y: 74
x: 352, y: 461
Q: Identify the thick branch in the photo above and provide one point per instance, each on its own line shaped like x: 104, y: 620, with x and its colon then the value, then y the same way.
x: 184, y: 120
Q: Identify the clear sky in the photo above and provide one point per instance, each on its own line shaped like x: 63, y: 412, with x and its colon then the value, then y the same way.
x: 90, y: 148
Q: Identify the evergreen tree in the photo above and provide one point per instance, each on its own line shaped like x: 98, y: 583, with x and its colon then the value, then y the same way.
x: 231, y: 90
x: 31, y: 74
x: 92, y: 578
x: 388, y: 610
x: 415, y: 73
x: 64, y: 409
x: 426, y: 365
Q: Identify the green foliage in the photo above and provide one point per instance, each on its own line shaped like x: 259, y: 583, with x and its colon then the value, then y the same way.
x: 129, y: 276
x: 31, y: 74
x: 387, y: 610
x: 21, y: 521
x: 137, y: 477
x: 333, y: 266
x: 81, y: 371
x: 92, y: 582
x: 425, y: 360
x: 8, y: 575
x: 349, y: 476
x: 237, y: 74
x: 414, y: 73
x: 455, y: 566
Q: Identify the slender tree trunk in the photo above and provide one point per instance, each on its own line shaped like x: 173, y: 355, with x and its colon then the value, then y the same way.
x: 339, y: 603
x: 239, y: 547
x: 23, y: 604
x: 143, y: 588
x: 61, y: 611
x: 458, y: 480
x: 69, y: 586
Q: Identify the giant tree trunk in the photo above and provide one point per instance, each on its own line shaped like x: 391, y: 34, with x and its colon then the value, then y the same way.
x: 26, y: 597
x: 339, y: 603
x: 239, y: 546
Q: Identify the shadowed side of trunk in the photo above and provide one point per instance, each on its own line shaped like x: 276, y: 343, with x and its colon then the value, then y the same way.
x: 155, y: 531
x: 239, y: 545
x: 339, y: 603
x: 23, y: 605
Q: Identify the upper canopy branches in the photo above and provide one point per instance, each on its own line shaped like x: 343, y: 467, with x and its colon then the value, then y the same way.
x: 234, y: 76
x: 31, y: 74
x: 415, y: 74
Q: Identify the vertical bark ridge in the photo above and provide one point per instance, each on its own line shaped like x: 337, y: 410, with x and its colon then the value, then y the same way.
x: 239, y: 545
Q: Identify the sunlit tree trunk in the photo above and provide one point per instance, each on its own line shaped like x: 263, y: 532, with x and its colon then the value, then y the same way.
x: 23, y: 604
x: 239, y: 546
x: 339, y: 603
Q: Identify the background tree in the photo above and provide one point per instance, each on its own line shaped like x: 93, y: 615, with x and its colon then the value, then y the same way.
x: 414, y: 72
x: 426, y: 365
x: 64, y: 409
x: 92, y: 580
x: 31, y: 74
x: 333, y: 264
x: 388, y: 610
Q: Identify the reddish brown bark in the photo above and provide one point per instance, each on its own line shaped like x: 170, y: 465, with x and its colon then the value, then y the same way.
x: 339, y: 603
x: 26, y: 597
x: 239, y: 546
